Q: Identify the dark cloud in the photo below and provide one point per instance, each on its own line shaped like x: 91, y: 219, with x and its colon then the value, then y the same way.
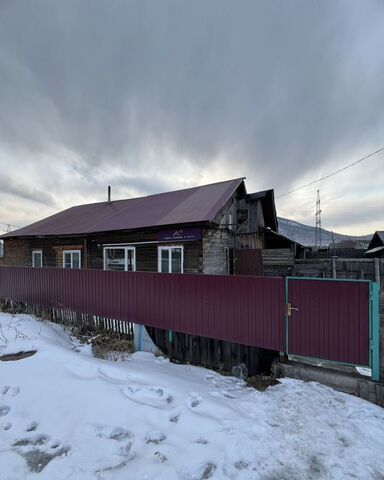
x: 24, y: 191
x: 270, y: 90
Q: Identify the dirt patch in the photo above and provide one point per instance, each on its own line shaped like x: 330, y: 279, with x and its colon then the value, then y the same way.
x: 17, y: 356
x: 261, y: 382
x: 112, y: 347
x: 105, y: 344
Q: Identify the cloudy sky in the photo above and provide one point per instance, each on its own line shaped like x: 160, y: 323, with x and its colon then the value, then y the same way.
x: 149, y: 96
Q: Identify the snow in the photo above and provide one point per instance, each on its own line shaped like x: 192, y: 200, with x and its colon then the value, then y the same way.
x: 67, y: 415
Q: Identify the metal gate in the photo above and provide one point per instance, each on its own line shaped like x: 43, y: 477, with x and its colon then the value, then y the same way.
x: 334, y: 320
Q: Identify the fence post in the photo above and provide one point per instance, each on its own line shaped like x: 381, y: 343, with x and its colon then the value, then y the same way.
x: 140, y: 337
x: 170, y: 340
x: 286, y: 317
x: 377, y: 271
x: 334, y: 274
x: 375, y: 330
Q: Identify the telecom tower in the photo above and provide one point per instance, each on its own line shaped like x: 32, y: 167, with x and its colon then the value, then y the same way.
x: 318, y: 240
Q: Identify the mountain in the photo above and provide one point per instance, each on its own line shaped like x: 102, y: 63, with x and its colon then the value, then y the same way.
x: 305, y: 234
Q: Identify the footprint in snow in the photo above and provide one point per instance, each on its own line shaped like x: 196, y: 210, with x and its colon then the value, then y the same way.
x: 108, y: 432
x: 36, y: 440
x: 10, y: 391
x: 38, y: 451
x: 241, y: 465
x: 200, y: 472
x: 174, y: 417
x: 4, y: 410
x: 159, y: 457
x: 6, y: 426
x: 32, y: 427
x: 194, y: 400
x: 232, y: 470
x: 201, y: 441
x: 155, y: 437
x: 156, y: 397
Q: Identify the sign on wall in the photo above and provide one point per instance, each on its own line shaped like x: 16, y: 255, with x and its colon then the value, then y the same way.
x: 180, y: 234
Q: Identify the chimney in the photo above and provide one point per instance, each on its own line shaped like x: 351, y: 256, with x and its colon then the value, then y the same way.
x: 109, y: 194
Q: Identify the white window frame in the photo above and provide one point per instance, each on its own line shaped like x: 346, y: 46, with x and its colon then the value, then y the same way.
x: 72, y: 252
x: 126, y: 249
x: 33, y: 258
x: 169, y: 248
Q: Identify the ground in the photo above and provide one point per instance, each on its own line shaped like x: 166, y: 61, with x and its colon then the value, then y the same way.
x: 67, y: 415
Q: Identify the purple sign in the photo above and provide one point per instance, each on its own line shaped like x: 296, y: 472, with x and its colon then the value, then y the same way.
x: 180, y: 235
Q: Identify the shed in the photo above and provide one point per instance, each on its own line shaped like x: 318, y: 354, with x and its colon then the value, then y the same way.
x: 376, y: 245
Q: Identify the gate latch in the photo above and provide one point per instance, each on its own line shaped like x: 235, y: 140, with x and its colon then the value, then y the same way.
x: 289, y: 309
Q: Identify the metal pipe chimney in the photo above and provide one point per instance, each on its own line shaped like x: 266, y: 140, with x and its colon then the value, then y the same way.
x: 109, y: 194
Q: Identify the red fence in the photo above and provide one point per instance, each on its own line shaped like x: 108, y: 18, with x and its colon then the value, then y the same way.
x: 330, y: 320
x: 246, y: 310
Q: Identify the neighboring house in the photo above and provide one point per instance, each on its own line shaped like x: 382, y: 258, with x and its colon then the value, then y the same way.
x: 186, y: 231
x: 376, y: 245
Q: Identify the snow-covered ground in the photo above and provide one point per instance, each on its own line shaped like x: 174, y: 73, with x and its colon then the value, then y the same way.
x: 67, y: 415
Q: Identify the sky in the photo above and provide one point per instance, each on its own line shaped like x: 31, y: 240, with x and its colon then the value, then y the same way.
x: 150, y: 96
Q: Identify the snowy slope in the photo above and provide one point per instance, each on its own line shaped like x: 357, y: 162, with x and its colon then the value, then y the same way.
x: 305, y: 234
x: 146, y: 418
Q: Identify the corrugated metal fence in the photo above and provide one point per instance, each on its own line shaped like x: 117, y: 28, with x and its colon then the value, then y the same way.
x: 245, y: 310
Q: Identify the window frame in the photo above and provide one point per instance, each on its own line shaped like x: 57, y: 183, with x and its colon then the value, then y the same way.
x: 72, y: 252
x: 126, y: 248
x: 160, y: 248
x: 33, y: 258
x: 2, y: 249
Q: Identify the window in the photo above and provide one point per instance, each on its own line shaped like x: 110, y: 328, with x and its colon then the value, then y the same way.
x: 72, y: 259
x: 120, y: 259
x: 230, y: 221
x: 37, y: 258
x: 170, y: 259
x: 242, y: 220
x: 1, y: 248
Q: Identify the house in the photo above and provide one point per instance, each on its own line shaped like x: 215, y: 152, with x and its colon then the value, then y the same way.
x: 185, y: 231
x: 376, y: 245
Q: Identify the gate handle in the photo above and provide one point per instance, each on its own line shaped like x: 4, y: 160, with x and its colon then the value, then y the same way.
x: 290, y: 308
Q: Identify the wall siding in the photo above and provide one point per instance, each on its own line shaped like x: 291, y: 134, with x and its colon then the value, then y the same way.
x: 18, y: 252
x: 215, y: 247
x: 15, y: 253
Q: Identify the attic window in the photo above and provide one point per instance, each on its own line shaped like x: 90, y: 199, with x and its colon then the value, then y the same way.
x: 242, y: 217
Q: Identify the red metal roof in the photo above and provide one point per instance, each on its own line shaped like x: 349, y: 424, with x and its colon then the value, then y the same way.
x: 198, y: 204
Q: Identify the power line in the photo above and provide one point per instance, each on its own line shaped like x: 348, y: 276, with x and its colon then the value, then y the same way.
x: 9, y: 225
x: 331, y: 174
x: 318, y: 239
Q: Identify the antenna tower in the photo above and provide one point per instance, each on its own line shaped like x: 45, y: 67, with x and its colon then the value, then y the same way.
x: 318, y: 239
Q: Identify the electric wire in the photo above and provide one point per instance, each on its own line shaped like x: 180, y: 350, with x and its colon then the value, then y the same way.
x: 332, y: 174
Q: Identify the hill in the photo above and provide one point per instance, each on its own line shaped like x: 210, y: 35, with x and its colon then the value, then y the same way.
x: 305, y: 234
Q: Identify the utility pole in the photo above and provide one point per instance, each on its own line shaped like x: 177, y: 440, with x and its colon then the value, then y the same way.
x: 318, y: 239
